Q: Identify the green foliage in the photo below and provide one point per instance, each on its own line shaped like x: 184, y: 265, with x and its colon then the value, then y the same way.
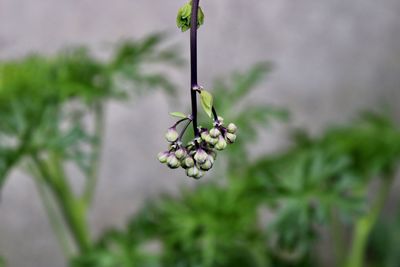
x: 229, y: 97
x: 178, y: 115
x: 266, y: 212
x: 44, y: 100
x: 183, y: 19
x: 206, y: 102
x: 305, y: 187
x: 52, y: 116
x: 384, y: 247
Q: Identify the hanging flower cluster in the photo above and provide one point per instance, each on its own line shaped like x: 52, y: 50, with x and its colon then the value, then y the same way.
x: 198, y: 155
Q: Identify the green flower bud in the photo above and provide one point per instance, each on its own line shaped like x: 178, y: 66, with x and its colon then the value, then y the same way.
x: 204, y: 135
x: 211, y: 141
x: 188, y: 162
x: 173, y: 162
x: 199, y: 175
x: 163, y: 156
x: 214, y: 133
x: 230, y: 138
x: 220, y: 120
x: 171, y: 135
x: 221, y: 145
x: 207, y: 165
x: 192, y: 172
x: 231, y: 128
x: 200, y: 156
x: 180, y: 153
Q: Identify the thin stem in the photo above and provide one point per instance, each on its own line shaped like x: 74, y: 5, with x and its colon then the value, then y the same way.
x: 72, y: 209
x: 337, y: 236
x: 178, y: 122
x: 54, y: 219
x: 184, y: 130
x: 90, y: 185
x: 193, y: 63
x: 214, y: 112
x: 365, y: 225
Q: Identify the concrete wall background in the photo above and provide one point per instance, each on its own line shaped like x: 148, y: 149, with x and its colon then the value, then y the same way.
x: 332, y: 58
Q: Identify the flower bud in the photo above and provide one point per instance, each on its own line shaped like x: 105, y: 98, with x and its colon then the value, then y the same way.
x: 180, y: 153
x: 204, y: 135
x: 188, y: 162
x: 231, y: 128
x: 171, y: 135
x: 230, y: 138
x: 173, y: 162
x: 192, y: 172
x: 221, y: 145
x: 200, y: 156
x: 214, y: 133
x: 163, y: 156
x: 220, y: 120
x: 211, y: 141
x: 207, y: 165
x: 199, y: 175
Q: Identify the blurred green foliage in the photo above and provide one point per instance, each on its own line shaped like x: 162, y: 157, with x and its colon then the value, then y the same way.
x: 52, y: 115
x: 44, y: 100
x: 268, y: 211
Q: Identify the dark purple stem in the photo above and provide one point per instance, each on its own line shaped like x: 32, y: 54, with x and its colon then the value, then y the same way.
x: 193, y: 63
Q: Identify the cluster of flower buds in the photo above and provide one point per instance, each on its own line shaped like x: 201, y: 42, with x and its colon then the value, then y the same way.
x: 198, y: 155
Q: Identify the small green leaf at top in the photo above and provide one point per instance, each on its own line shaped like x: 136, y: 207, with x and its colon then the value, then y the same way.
x: 206, y: 102
x: 183, y: 19
x: 178, y: 114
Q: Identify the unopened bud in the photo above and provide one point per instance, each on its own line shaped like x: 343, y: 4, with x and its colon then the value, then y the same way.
x: 231, y: 128
x: 200, y: 156
x: 192, y: 172
x: 180, y: 153
x: 188, y: 162
x: 199, y: 175
x: 163, y: 156
x: 221, y: 145
x: 204, y: 135
x: 211, y: 141
x: 171, y: 135
x: 173, y: 162
x: 214, y: 133
x: 206, y: 165
x: 230, y: 138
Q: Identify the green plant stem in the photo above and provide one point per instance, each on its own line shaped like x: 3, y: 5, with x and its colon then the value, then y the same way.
x: 365, y: 224
x: 338, y: 238
x: 93, y: 174
x: 54, y: 219
x: 72, y: 209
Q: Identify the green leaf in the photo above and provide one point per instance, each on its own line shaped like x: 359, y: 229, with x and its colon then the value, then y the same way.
x: 200, y: 19
x: 206, y: 102
x: 178, y: 114
x: 186, y: 10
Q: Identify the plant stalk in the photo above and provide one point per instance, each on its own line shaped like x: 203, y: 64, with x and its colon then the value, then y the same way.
x: 72, y: 209
x: 193, y: 63
x: 365, y: 224
x: 90, y: 185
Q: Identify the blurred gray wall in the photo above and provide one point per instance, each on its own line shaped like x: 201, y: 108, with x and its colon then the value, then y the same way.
x: 332, y: 58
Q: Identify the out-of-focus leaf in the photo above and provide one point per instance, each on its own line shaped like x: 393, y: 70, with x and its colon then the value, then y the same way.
x: 178, y: 114
x: 206, y: 102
